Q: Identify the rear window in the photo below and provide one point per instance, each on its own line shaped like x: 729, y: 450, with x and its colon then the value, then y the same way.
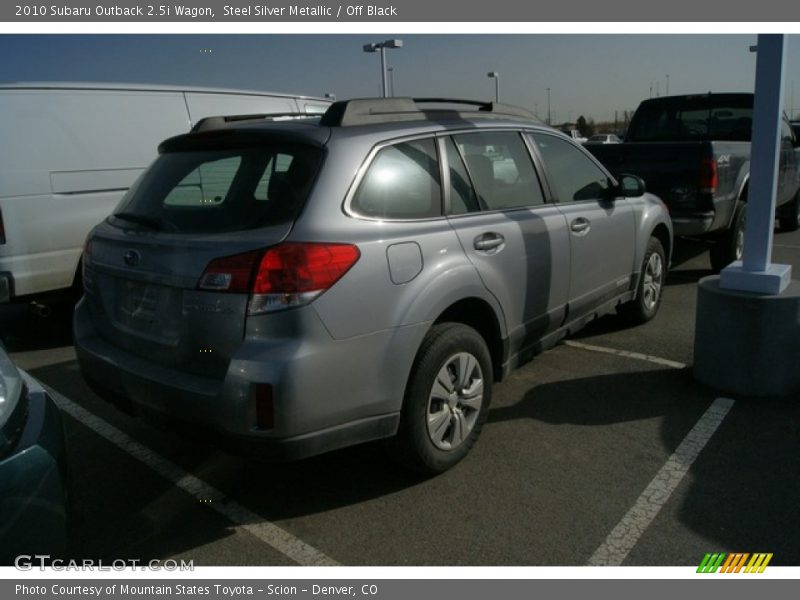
x: 698, y: 118
x: 221, y: 190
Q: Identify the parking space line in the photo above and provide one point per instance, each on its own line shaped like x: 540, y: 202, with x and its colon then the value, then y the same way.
x: 273, y: 535
x: 635, y: 355
x: 624, y: 536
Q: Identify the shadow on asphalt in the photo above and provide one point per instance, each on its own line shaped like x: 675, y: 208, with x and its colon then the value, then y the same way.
x: 687, y: 276
x: 688, y: 250
x: 615, y: 398
x: 744, y: 488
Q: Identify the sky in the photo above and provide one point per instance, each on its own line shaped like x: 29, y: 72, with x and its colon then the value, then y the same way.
x: 590, y: 75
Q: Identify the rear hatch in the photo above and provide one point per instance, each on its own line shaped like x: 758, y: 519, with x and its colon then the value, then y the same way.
x: 207, y: 197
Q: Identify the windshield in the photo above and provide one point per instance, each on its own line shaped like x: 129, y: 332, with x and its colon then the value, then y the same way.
x: 211, y: 191
x: 725, y: 118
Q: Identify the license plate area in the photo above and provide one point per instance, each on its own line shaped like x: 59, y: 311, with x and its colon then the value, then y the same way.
x: 148, y: 310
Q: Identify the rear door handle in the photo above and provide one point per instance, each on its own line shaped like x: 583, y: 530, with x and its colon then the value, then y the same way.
x: 488, y: 241
x: 580, y: 225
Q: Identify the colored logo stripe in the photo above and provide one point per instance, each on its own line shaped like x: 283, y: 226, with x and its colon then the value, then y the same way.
x: 711, y: 563
x: 758, y: 563
x: 734, y: 562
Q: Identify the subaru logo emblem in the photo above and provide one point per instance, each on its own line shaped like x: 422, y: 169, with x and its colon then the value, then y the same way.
x: 131, y: 258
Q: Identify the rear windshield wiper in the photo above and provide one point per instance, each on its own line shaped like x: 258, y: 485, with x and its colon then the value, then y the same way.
x: 138, y: 219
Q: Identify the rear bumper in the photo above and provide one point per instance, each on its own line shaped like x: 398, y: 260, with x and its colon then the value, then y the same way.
x: 326, y: 393
x: 33, y: 484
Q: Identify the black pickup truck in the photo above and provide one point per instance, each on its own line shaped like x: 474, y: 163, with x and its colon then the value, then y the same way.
x: 694, y: 153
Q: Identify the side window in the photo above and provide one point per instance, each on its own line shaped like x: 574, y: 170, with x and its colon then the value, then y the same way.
x: 573, y: 175
x: 462, y: 195
x: 402, y: 183
x: 500, y: 169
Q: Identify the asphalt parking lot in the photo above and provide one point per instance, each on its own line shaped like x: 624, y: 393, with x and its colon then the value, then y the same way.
x: 601, y: 451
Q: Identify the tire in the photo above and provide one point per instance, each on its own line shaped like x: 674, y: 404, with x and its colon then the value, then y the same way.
x: 730, y: 245
x: 789, y: 219
x: 651, y: 286
x: 446, y: 402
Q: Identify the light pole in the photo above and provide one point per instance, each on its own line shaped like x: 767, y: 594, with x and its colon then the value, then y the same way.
x: 391, y: 81
x: 496, y: 76
x: 548, y: 106
x: 381, y: 46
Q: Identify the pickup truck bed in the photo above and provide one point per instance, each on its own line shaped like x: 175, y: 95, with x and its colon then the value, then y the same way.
x: 694, y: 153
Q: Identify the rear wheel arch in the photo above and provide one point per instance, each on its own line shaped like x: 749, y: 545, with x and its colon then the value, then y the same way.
x: 478, y: 314
x: 741, y: 198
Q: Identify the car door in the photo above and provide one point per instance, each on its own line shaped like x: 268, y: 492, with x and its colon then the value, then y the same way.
x: 518, y: 244
x: 601, y: 228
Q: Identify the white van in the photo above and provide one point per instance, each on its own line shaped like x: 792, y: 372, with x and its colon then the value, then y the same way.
x: 69, y: 152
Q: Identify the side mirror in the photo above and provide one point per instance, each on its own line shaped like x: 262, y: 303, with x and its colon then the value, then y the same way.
x: 631, y: 186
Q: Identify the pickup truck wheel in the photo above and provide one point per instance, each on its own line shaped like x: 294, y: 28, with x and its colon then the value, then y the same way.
x: 447, y: 400
x: 789, y: 219
x: 730, y: 245
x: 651, y: 284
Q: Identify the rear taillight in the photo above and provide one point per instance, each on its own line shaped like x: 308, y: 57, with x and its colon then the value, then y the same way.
x: 2, y: 229
x: 708, y: 176
x: 230, y: 273
x: 287, y: 275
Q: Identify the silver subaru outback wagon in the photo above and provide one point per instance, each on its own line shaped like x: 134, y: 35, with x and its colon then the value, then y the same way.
x: 313, y: 283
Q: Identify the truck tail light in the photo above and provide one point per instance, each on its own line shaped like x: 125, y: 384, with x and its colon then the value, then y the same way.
x: 708, y: 176
x: 284, y: 276
x: 2, y: 229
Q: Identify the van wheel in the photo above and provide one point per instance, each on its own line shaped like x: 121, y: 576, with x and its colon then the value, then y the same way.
x: 651, y: 285
x: 447, y: 399
x: 789, y: 219
x: 730, y: 245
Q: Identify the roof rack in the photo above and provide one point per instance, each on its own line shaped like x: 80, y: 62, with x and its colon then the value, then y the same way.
x: 363, y: 111
x: 220, y: 121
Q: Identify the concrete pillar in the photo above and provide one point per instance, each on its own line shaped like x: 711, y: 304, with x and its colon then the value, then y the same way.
x: 747, y: 329
x: 747, y: 343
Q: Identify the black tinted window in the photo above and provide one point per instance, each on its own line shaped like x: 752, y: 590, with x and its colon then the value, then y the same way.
x: 500, y: 169
x: 572, y: 174
x: 402, y: 183
x: 221, y: 190
x: 702, y: 117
